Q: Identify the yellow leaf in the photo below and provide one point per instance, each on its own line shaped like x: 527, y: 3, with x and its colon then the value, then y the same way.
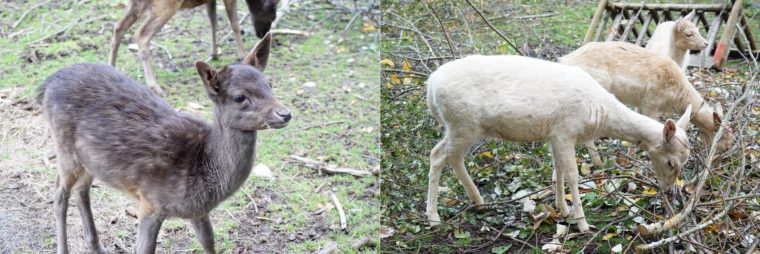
x: 340, y: 50
x: 486, y: 154
x: 388, y: 85
x: 406, y: 66
x: 711, y: 93
x: 650, y: 191
x: 569, y: 197
x: 387, y: 62
x: 366, y: 28
x: 585, y: 169
x: 626, y: 143
x: 680, y: 182
x: 608, y: 236
x: 395, y: 79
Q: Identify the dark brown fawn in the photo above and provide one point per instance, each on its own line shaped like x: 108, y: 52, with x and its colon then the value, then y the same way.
x: 263, y: 13
x: 109, y: 127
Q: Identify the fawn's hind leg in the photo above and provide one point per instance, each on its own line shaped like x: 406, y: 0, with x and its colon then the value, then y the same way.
x: 68, y: 173
x: 205, y: 233
x: 82, y: 190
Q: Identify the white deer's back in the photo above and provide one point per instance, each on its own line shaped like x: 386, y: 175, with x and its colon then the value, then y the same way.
x: 516, y: 98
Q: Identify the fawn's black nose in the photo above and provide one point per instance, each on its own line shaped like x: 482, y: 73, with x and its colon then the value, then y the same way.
x: 285, y: 115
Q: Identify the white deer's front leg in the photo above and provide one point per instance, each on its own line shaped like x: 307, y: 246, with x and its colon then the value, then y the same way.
x: 572, y: 182
x: 558, y: 176
x: 563, y: 153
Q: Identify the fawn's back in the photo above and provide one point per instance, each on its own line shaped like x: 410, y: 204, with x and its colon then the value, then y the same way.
x: 121, y: 132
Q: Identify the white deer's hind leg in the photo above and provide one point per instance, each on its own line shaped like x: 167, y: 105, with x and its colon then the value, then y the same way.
x: 437, y: 162
x: 594, y: 153
x: 457, y: 146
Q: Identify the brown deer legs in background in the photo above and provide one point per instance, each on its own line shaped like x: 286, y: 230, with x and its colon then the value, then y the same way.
x: 159, y: 12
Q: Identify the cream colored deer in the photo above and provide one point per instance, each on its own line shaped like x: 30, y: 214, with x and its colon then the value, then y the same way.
x: 524, y: 99
x: 674, y: 39
x: 651, y: 82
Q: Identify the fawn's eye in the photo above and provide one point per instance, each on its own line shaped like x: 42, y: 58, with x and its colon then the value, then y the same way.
x: 239, y: 98
x: 689, y: 35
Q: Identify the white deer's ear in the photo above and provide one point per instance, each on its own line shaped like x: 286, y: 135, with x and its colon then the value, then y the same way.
x: 690, y: 16
x: 683, y: 122
x: 669, y: 130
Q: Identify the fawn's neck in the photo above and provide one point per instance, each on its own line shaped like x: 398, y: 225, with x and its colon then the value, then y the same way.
x: 230, y: 155
x: 623, y: 123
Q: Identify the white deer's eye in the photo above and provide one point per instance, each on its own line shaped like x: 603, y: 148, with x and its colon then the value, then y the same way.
x: 689, y: 35
x: 671, y: 164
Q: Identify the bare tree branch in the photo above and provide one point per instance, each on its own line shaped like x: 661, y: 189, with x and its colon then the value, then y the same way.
x: 494, y: 29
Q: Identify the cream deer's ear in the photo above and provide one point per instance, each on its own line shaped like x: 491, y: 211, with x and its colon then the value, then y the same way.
x: 683, y: 122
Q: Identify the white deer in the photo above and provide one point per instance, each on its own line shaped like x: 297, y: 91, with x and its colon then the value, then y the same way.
x: 674, y: 39
x: 524, y: 99
x: 651, y: 82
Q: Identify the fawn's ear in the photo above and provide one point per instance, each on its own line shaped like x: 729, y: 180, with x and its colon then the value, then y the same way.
x: 259, y: 55
x: 209, y: 76
x: 669, y: 131
x: 683, y: 122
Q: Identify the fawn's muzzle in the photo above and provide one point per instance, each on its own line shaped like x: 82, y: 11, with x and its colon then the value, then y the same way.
x: 284, y: 114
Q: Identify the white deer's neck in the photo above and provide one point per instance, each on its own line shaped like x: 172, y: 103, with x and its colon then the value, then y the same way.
x: 623, y: 123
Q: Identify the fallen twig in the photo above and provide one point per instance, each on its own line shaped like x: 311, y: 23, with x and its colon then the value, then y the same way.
x: 341, y: 213
x: 67, y: 28
x: 405, y: 71
x: 23, y: 16
x: 289, y: 32
x: 331, y: 247
x: 361, y: 243
x: 322, y: 125
x: 329, y: 169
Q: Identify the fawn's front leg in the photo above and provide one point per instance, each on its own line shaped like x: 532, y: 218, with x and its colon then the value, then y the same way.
x: 147, y: 233
x: 211, y: 8
x: 231, y: 7
x: 145, y: 33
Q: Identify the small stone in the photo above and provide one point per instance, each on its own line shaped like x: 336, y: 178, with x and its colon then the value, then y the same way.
x: 263, y: 171
x: 309, y: 84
